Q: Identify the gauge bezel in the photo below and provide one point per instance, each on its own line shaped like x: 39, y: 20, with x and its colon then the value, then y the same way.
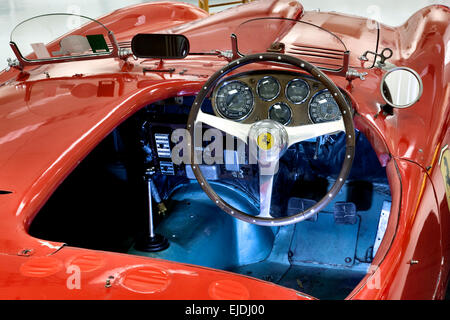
x: 309, y: 106
x: 279, y: 88
x: 290, y: 109
x: 217, y: 109
x: 287, y: 86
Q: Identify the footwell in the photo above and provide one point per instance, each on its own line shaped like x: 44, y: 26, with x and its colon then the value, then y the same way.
x: 320, y: 258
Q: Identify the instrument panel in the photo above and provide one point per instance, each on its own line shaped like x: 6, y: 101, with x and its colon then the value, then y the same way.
x: 289, y: 98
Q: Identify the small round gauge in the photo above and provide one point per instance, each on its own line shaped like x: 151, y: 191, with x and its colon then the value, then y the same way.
x: 280, y: 112
x: 268, y: 88
x: 297, y: 91
x: 234, y: 100
x: 323, y: 108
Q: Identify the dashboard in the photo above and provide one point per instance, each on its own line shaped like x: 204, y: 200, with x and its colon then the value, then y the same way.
x: 289, y: 98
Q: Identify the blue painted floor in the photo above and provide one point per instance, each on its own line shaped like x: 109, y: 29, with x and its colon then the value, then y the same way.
x: 309, y: 256
x: 201, y: 234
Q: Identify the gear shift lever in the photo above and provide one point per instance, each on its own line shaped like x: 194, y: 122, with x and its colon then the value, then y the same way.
x: 151, y: 242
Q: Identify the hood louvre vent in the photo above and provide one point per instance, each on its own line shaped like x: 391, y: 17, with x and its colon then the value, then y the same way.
x: 323, y: 57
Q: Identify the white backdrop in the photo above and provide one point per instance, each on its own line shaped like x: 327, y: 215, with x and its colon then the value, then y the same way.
x: 391, y: 12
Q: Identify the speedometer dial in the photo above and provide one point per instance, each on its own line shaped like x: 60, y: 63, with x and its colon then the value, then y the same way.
x: 323, y: 108
x: 234, y: 100
x: 297, y: 91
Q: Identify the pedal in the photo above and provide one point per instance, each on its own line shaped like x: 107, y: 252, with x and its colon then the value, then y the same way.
x: 296, y: 205
x: 345, y: 213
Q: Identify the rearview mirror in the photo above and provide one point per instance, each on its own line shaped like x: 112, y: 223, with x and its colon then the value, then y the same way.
x: 160, y: 46
x: 401, y: 87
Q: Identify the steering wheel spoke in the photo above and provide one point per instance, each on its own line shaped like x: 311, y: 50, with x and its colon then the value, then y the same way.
x: 301, y: 133
x: 267, y: 171
x: 239, y: 130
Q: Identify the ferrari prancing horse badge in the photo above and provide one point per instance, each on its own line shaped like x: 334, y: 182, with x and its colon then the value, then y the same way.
x: 265, y: 141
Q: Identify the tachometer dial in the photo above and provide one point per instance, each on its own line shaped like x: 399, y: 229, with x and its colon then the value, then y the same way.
x: 281, y: 113
x: 234, y: 100
x: 323, y: 108
x: 297, y: 91
x: 268, y: 88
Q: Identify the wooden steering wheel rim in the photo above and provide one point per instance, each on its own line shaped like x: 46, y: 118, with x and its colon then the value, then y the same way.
x: 349, y: 130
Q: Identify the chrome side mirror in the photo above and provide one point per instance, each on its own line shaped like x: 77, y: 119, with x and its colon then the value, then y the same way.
x: 401, y: 87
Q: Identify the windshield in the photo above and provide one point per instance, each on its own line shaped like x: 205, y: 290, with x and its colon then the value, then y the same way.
x: 59, y: 36
x: 322, y: 42
x: 301, y: 39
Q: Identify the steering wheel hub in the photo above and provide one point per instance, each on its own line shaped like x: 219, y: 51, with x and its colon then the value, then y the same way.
x: 270, y: 138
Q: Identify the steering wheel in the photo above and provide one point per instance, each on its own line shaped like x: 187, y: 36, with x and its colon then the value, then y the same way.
x: 268, y: 140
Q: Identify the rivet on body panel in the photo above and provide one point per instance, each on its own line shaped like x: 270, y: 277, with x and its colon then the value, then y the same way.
x: 25, y: 252
x: 108, y: 283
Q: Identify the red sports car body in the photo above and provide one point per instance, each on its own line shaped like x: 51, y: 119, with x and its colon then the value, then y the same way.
x: 60, y: 237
